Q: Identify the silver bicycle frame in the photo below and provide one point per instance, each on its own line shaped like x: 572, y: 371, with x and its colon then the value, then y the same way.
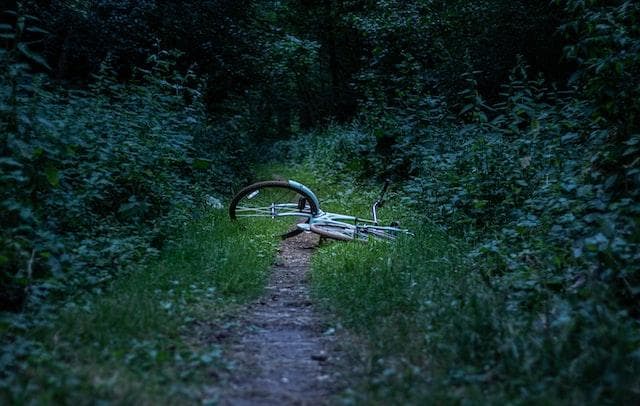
x: 324, y: 217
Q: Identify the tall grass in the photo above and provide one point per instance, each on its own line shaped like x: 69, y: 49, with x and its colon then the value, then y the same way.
x: 137, y: 341
x: 437, y: 330
x: 436, y: 322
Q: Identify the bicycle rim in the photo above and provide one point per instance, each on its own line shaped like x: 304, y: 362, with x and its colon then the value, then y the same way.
x: 276, y: 201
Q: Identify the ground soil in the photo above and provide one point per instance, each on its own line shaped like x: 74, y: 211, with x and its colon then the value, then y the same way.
x: 281, y: 349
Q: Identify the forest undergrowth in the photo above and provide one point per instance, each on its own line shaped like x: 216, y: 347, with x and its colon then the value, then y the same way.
x: 510, y: 130
x: 443, y: 318
x: 96, y: 182
x: 139, y: 339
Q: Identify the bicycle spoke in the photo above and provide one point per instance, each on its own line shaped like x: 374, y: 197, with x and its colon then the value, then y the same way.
x: 275, y: 202
x: 267, y: 211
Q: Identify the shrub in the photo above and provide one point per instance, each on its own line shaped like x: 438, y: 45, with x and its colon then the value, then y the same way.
x: 93, y: 182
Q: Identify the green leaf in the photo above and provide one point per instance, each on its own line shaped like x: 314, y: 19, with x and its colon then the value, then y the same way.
x: 569, y: 137
x: 31, y: 17
x: 38, y: 30
x: 10, y: 162
x: 466, y: 108
x: 53, y: 176
x: 598, y: 242
x: 24, y: 49
x: 6, y: 27
x: 201, y: 163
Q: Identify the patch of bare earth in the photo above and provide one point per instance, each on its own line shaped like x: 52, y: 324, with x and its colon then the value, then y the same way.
x: 279, y: 347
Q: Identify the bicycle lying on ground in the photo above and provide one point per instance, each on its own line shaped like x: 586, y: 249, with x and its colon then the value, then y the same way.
x: 285, y: 200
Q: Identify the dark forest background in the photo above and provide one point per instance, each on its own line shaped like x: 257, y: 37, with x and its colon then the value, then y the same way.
x: 512, y: 124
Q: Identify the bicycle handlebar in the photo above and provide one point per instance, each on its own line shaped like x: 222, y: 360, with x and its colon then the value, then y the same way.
x: 378, y: 203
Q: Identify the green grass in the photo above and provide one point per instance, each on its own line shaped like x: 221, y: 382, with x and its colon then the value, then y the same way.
x: 138, y: 340
x: 384, y: 293
x: 429, y: 328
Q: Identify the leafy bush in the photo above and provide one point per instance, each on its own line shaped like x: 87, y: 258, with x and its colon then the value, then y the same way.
x: 436, y: 330
x: 215, y: 36
x: 605, y: 42
x: 93, y: 182
x: 146, y: 337
x: 423, y: 47
x: 551, y: 256
x: 527, y: 186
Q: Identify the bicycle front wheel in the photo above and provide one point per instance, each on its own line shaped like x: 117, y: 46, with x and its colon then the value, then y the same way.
x: 277, y: 200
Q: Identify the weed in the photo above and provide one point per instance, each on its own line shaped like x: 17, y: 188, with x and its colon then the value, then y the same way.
x: 132, y: 342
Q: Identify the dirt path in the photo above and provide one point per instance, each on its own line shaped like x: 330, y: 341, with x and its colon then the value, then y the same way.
x: 280, y: 347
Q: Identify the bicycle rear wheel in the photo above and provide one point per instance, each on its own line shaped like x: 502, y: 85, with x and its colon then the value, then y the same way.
x: 346, y: 232
x: 380, y: 233
x: 336, y: 231
x: 272, y: 200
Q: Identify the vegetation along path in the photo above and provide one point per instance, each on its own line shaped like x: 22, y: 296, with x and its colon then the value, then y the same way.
x: 280, y: 345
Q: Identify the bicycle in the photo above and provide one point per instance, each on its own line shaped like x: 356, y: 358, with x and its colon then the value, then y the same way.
x: 282, y: 200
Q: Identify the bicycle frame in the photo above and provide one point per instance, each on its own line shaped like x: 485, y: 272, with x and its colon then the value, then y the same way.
x: 318, y: 219
x: 336, y: 218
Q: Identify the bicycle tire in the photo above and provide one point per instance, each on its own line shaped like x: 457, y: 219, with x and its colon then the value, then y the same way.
x: 273, y: 184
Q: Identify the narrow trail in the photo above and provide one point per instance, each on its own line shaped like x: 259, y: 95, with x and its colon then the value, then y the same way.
x: 280, y: 348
